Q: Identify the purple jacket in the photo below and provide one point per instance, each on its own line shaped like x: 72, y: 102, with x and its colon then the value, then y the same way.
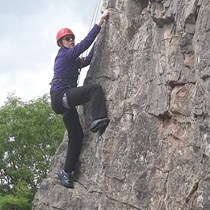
x: 68, y: 63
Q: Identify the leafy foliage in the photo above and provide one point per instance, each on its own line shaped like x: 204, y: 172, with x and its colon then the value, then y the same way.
x: 19, y: 201
x: 29, y: 135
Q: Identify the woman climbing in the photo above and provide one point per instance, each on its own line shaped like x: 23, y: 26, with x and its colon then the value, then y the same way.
x: 65, y: 95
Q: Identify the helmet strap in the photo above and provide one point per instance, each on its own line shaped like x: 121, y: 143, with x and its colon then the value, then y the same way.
x: 60, y: 43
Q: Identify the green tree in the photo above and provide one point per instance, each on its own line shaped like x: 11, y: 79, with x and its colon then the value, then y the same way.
x: 18, y: 201
x: 29, y: 135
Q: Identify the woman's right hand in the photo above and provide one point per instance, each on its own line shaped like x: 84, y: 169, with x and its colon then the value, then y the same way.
x: 104, y: 16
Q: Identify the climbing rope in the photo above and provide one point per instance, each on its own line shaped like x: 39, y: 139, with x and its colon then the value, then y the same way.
x: 95, y: 14
x: 93, y: 20
x: 94, y: 17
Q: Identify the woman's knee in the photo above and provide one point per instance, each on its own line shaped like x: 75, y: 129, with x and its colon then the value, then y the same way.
x: 98, y: 87
x: 76, y: 140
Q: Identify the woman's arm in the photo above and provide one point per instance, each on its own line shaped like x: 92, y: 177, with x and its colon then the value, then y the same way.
x: 85, y: 61
x: 78, y: 49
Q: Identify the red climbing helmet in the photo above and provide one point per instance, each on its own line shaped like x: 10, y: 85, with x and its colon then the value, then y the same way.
x: 63, y: 32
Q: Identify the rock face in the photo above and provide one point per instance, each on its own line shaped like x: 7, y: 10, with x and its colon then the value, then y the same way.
x: 153, y: 61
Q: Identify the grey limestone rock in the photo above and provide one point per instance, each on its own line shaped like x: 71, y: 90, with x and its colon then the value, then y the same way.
x: 153, y: 61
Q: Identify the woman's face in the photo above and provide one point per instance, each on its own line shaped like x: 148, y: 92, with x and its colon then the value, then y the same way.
x: 68, y: 42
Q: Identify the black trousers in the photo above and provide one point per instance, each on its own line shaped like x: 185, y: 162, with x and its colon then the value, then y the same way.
x: 77, y: 96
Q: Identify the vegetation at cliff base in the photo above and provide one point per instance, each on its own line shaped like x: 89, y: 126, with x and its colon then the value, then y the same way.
x: 30, y: 132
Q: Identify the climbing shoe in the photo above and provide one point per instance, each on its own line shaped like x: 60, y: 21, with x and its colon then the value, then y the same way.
x: 101, y: 130
x: 66, y: 179
x: 99, y: 124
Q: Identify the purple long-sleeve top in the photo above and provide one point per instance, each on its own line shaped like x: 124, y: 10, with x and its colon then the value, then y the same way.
x: 67, y: 62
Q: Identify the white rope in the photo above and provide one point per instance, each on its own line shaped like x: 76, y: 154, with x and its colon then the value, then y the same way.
x: 94, y: 17
x: 93, y: 20
x: 95, y: 14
